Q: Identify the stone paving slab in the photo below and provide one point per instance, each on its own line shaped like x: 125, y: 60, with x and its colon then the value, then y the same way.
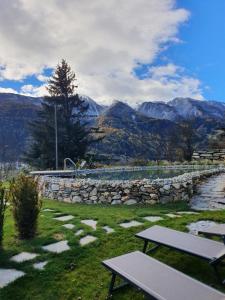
x: 108, y: 229
x: 57, y: 247
x: 48, y: 210
x: 79, y: 232
x: 90, y: 222
x: 64, y: 218
x: 68, y: 226
x: 210, y: 194
x: 172, y: 216
x: 130, y: 224
x: 40, y: 265
x: 87, y: 240
x: 153, y: 218
x: 23, y: 256
x: 9, y: 275
x: 187, y: 213
x: 194, y: 227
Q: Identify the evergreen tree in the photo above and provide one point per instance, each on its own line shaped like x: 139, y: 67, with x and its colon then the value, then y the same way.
x: 73, y: 134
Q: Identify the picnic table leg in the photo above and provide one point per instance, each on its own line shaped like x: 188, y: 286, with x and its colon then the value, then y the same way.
x: 218, y: 275
x: 223, y: 237
x: 111, y: 286
x: 155, y: 247
x: 145, y: 246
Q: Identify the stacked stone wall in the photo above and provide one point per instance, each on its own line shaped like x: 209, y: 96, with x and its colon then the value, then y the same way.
x: 180, y: 188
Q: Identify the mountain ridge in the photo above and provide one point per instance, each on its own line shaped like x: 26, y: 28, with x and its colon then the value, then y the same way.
x: 134, y: 132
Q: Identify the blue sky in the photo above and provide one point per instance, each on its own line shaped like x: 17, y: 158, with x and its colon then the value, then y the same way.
x: 189, y: 62
x: 203, y: 50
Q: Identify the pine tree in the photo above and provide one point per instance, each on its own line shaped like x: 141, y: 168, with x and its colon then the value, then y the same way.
x: 74, y: 136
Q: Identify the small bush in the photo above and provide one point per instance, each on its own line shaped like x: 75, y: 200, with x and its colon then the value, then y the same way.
x: 26, y: 205
x: 2, y: 210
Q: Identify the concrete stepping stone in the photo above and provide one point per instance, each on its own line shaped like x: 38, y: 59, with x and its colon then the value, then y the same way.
x: 130, y: 224
x: 90, y: 222
x: 48, y: 209
x: 87, y: 240
x: 172, y: 216
x: 68, y: 226
x: 79, y: 232
x: 187, y: 213
x: 108, y: 229
x: 40, y: 265
x: 153, y: 218
x: 23, y: 256
x: 194, y: 227
x: 57, y: 247
x: 64, y: 218
x: 9, y: 275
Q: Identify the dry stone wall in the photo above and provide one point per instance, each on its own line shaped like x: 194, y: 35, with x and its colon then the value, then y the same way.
x: 218, y: 154
x: 180, y: 188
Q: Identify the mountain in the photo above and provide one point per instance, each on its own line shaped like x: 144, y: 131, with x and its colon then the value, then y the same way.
x: 16, y: 112
x: 94, y: 109
x: 16, y: 99
x: 146, y: 132
x: 190, y: 108
x: 183, y: 108
x: 130, y: 134
x: 159, y: 110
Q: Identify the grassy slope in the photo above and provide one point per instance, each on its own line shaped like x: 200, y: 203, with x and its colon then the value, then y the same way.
x: 78, y: 273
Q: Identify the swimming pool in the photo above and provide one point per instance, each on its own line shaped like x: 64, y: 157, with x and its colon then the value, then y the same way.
x: 139, y: 173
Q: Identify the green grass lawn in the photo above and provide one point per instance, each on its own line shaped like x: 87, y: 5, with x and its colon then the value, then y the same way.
x: 78, y: 273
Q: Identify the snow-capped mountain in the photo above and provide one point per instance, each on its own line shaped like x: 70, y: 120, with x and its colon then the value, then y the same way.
x: 158, y: 110
x: 190, y: 108
x: 135, y: 131
x: 183, y: 108
x: 94, y: 109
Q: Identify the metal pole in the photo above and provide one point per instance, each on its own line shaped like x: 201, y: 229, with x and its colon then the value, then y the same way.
x: 56, y: 139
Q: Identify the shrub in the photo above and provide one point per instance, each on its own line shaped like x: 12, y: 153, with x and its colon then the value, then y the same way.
x: 2, y: 210
x: 26, y: 205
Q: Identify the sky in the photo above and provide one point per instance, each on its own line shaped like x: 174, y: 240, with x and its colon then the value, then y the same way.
x: 145, y: 50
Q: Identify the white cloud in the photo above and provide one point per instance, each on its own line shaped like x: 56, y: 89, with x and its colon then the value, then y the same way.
x: 33, y: 91
x: 42, y: 78
x: 102, y: 40
x: 8, y: 90
x: 169, y: 70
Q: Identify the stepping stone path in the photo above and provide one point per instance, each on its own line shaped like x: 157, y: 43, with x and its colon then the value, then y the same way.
x: 79, y: 232
x: 68, y: 226
x: 210, y: 194
x: 187, y: 213
x: 9, y: 275
x: 172, y: 216
x: 153, y: 218
x: 48, y: 209
x: 57, y: 247
x: 23, y: 256
x: 64, y: 218
x: 91, y: 223
x: 87, y: 240
x: 199, y: 225
x: 40, y: 266
x: 108, y: 229
x: 130, y: 224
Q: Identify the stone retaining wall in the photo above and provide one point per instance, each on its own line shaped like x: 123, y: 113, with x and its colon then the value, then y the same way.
x: 218, y: 154
x: 123, y: 192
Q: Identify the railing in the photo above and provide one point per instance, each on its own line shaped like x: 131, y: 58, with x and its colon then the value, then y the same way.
x: 71, y: 161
